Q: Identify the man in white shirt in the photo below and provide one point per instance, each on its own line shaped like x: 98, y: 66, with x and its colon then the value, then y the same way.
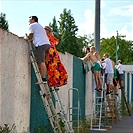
x: 109, y: 72
x: 41, y: 42
x: 121, y: 74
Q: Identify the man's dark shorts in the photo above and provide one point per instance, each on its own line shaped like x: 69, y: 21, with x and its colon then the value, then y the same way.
x: 121, y: 77
x: 41, y: 52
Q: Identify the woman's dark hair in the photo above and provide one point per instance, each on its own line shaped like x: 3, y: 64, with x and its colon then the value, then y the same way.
x: 88, y: 48
x: 35, y: 18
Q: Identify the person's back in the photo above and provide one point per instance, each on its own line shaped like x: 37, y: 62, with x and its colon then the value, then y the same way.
x: 121, y: 74
x: 109, y: 73
x: 120, y: 68
x: 40, y: 36
x: 109, y: 67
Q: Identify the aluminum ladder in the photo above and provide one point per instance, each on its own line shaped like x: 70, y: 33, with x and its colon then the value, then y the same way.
x: 74, y: 113
x: 47, y: 97
x: 99, y: 120
x: 62, y: 114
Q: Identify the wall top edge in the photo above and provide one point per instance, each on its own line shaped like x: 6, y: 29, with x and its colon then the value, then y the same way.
x: 1, y: 30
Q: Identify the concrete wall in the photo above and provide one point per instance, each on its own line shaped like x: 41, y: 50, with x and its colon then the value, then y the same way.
x: 89, y: 92
x: 67, y: 60
x: 128, y: 68
x: 14, y: 81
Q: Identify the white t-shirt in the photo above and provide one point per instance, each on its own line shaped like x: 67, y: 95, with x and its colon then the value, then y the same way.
x: 120, y: 69
x: 39, y: 34
x: 109, y: 67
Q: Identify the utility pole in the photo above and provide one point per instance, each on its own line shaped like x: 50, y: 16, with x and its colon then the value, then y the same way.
x: 117, y: 47
x: 97, y: 26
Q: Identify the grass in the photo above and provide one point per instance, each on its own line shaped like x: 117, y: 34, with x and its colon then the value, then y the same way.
x: 7, y: 129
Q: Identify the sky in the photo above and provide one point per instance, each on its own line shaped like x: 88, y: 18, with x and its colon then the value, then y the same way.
x: 116, y: 15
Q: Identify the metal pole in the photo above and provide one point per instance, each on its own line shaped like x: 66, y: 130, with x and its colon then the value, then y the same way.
x: 117, y: 47
x: 97, y: 26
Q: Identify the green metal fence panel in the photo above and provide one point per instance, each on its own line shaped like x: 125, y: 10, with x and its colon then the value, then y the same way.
x: 79, y: 83
x: 128, y: 87
x: 38, y: 116
x: 132, y: 88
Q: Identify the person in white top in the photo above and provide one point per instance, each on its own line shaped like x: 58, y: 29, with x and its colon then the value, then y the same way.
x: 41, y: 42
x: 109, y: 72
x: 121, y: 74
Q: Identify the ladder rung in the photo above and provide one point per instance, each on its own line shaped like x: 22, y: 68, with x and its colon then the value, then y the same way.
x: 73, y: 114
x: 49, y: 105
x: 98, y: 104
x: 73, y: 108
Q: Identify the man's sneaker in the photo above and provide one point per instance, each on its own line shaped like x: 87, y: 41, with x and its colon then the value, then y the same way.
x: 107, y: 93
x: 101, y: 100
x: 56, y: 88
x: 44, y: 79
x: 116, y: 94
x: 111, y: 91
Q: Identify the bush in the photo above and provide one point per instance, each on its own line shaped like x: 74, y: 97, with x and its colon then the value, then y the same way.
x: 7, y: 129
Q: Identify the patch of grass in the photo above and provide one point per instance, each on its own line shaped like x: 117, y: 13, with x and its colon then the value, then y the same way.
x: 7, y: 129
x: 84, y: 126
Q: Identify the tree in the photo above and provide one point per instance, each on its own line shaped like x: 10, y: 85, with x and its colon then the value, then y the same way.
x: 54, y: 26
x: 109, y: 46
x: 66, y: 31
x: 3, y: 22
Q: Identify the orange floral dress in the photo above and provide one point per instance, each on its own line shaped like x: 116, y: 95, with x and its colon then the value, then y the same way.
x: 57, y: 74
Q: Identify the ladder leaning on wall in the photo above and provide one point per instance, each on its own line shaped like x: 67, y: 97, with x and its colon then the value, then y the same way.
x: 47, y: 99
x: 99, y: 120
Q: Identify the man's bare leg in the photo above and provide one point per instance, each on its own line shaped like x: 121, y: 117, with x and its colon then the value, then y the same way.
x: 100, y: 80
x: 96, y: 79
x: 116, y: 90
x: 43, y: 70
x: 121, y: 83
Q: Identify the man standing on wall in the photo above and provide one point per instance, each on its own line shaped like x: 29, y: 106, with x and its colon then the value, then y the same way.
x: 41, y: 42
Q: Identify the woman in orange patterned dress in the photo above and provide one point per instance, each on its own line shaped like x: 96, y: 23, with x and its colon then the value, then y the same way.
x: 57, y: 75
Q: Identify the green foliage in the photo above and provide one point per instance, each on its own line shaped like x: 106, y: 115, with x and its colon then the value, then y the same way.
x: 54, y: 28
x: 7, y: 129
x: 85, y: 126
x: 125, y: 52
x: 67, y: 34
x: 68, y: 30
x: 41, y: 129
x: 3, y: 22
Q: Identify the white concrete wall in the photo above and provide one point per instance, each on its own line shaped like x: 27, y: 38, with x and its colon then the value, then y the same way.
x: 89, y: 92
x: 14, y: 81
x: 67, y: 60
x: 128, y: 68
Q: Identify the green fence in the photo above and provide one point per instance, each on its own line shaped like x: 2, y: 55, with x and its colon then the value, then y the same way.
x: 38, y: 117
x: 79, y: 83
